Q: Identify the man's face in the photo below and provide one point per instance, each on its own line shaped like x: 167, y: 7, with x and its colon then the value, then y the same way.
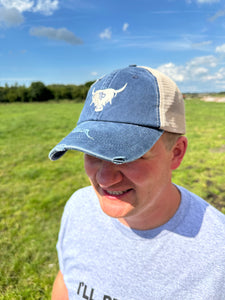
x: 137, y: 193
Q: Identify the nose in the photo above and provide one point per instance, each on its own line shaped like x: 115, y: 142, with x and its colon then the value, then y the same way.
x: 108, y: 174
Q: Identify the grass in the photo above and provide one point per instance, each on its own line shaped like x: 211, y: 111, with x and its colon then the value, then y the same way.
x: 34, y: 189
x: 202, y: 170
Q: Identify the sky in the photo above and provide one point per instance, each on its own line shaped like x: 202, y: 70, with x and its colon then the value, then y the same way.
x: 75, y: 41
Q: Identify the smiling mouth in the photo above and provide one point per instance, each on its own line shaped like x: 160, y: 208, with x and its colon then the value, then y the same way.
x: 117, y: 193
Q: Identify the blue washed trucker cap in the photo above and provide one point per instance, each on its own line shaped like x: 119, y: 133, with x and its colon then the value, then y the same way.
x: 124, y: 114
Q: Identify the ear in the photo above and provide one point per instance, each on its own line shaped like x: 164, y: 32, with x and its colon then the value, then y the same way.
x: 178, y: 152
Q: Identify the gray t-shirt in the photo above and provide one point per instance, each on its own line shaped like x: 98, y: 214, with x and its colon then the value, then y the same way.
x: 102, y: 259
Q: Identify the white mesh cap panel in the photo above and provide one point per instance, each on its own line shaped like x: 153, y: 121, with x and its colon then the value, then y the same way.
x: 171, y: 110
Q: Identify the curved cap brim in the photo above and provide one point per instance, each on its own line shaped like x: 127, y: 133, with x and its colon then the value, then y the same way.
x: 115, y: 142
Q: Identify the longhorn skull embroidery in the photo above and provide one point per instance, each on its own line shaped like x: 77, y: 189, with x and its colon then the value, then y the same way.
x: 101, y: 97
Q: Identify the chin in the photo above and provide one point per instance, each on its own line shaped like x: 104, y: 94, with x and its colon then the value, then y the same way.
x: 115, y: 207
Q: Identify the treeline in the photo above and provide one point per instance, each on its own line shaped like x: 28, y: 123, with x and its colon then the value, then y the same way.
x: 38, y: 91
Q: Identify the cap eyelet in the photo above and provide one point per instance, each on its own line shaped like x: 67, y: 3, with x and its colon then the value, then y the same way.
x: 119, y: 160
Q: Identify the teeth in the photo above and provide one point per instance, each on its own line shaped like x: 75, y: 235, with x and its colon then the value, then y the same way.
x: 116, y: 192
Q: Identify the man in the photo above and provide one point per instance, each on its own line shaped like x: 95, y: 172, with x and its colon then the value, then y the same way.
x: 134, y: 235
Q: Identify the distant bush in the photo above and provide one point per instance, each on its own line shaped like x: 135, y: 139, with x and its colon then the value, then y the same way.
x: 38, y: 92
x: 77, y: 93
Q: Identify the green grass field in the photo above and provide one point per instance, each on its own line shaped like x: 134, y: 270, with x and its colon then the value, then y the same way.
x: 34, y: 190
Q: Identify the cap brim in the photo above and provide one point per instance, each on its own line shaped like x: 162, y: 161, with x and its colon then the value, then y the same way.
x: 115, y: 142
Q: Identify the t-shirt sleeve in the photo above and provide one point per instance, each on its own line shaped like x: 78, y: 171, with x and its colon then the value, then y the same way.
x: 72, y: 222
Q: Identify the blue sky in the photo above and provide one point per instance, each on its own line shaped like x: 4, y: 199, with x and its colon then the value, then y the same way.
x: 75, y: 41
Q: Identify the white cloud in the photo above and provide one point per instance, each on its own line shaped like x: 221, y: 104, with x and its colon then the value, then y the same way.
x: 20, y: 5
x: 106, y: 34
x: 10, y: 17
x: 201, y: 45
x: 199, y: 68
x: 217, y: 15
x: 46, y: 7
x: 177, y: 73
x: 125, y: 26
x: 61, y: 34
x: 220, y: 74
x: 208, y: 60
x: 202, y: 1
x: 199, y: 74
x: 220, y: 49
x: 207, y: 1
x: 94, y: 73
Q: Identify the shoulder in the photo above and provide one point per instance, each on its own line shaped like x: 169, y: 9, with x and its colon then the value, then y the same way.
x: 83, y: 195
x: 216, y: 222
x: 80, y: 209
x: 211, y: 221
x: 80, y: 202
x: 86, y: 191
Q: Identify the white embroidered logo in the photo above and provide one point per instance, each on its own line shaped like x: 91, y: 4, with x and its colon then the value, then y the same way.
x: 101, y: 97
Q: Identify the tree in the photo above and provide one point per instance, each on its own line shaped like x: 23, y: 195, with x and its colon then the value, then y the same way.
x: 39, y: 92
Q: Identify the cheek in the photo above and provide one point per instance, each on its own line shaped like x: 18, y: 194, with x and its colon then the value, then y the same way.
x: 147, y: 174
x: 139, y: 174
x: 89, y: 167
